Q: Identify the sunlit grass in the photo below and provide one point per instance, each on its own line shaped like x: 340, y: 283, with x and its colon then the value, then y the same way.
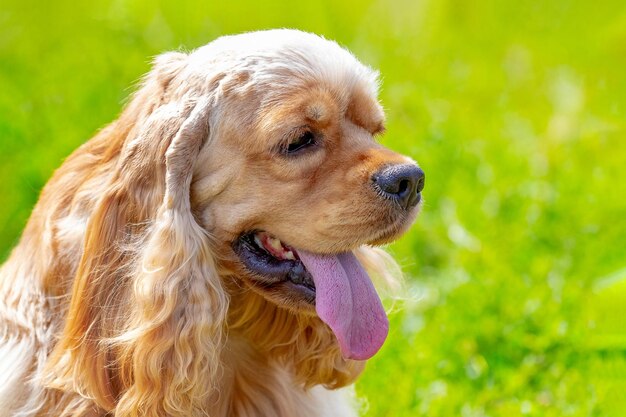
x: 515, y: 111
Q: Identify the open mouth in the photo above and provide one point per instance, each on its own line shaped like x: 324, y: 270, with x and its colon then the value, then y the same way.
x: 338, y: 286
x: 275, y: 262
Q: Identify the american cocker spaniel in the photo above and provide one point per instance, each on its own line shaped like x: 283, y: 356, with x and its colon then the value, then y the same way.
x: 205, y: 253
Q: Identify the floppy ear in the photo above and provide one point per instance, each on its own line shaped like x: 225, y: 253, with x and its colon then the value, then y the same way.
x: 169, y: 353
x: 145, y: 321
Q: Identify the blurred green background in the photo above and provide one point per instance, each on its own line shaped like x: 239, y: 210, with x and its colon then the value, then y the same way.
x: 516, y: 270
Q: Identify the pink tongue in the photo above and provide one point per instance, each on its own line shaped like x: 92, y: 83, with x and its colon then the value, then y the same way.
x: 347, y: 301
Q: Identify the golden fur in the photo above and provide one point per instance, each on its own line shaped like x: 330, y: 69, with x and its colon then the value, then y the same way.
x: 123, y: 296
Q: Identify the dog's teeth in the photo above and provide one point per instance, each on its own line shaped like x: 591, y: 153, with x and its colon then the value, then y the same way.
x: 258, y: 241
x: 275, y: 244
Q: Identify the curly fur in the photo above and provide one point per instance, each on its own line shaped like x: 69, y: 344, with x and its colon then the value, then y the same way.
x: 120, y: 298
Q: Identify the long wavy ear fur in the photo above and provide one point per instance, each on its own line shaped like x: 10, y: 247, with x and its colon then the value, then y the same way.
x: 145, y: 321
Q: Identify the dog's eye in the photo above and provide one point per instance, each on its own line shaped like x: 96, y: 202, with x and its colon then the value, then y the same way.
x: 303, y: 141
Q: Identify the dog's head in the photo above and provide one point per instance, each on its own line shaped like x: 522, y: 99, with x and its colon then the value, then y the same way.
x: 252, y: 160
x: 292, y: 179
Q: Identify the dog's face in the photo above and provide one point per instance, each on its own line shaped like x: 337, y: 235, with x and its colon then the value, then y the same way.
x: 294, y: 170
x: 303, y: 177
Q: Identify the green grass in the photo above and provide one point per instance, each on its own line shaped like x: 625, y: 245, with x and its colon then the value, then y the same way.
x: 516, y: 288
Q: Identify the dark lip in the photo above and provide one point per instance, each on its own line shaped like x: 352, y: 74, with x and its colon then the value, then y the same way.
x: 269, y: 271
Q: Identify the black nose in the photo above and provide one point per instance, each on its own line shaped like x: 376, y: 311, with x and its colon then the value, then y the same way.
x: 402, y: 183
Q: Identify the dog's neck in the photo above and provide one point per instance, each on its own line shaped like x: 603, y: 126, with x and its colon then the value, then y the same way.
x: 276, y: 361
x: 300, y: 343
x: 256, y: 384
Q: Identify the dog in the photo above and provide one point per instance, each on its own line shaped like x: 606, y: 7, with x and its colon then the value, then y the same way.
x: 205, y: 253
